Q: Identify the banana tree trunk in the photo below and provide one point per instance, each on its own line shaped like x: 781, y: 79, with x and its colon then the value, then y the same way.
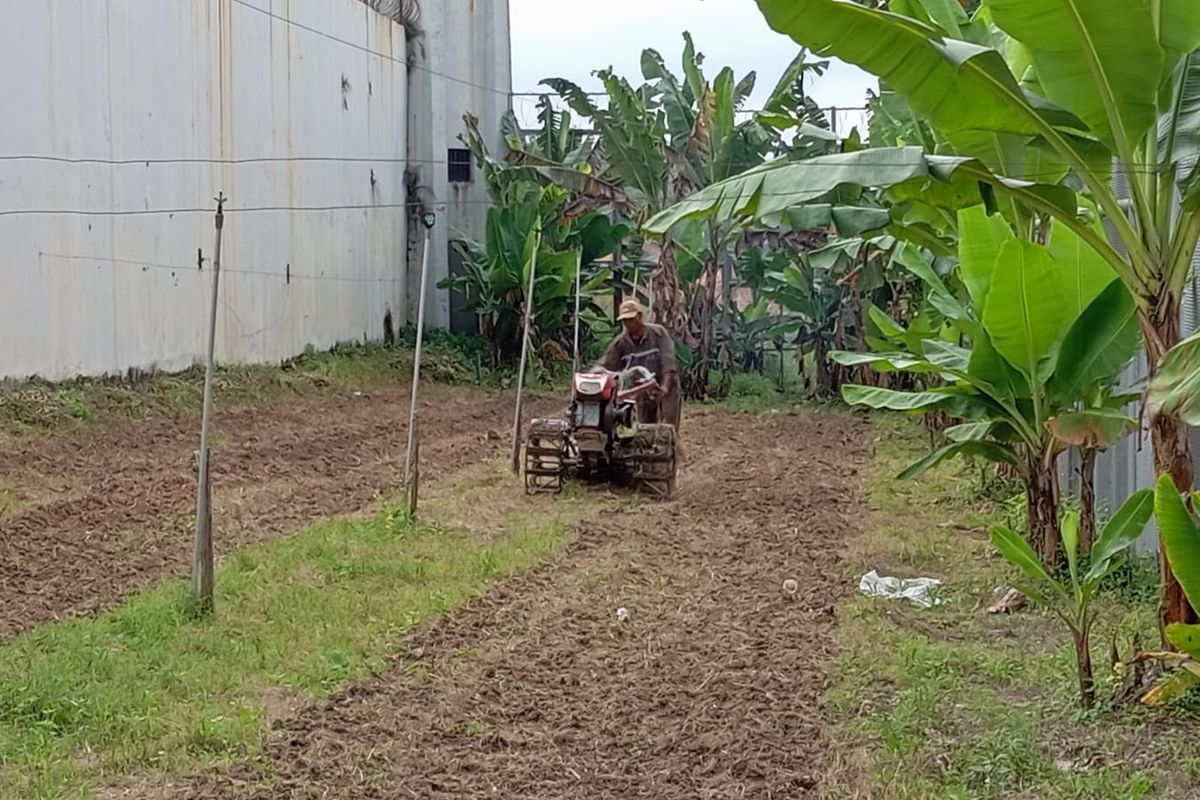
x: 824, y: 386
x: 1041, y: 502
x: 666, y: 293
x: 1083, y: 667
x: 1087, y: 499
x: 1172, y: 451
x: 695, y: 384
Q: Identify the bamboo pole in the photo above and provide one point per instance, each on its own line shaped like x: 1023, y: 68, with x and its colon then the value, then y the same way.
x: 410, y: 457
x: 516, y: 431
x: 578, y: 292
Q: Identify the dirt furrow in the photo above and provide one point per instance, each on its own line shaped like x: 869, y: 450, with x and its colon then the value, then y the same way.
x: 709, y: 688
x: 117, y: 522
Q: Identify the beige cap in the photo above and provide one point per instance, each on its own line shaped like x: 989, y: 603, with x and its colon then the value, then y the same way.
x: 630, y: 309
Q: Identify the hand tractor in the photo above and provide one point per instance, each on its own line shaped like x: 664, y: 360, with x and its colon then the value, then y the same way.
x: 601, y: 439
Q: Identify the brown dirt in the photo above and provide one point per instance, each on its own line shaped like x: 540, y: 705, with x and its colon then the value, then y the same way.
x: 709, y: 689
x: 102, y: 513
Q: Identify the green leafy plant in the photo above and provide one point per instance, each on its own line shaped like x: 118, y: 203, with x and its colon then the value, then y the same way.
x: 531, y: 212
x: 1029, y: 365
x: 1071, y: 597
x: 1181, y: 541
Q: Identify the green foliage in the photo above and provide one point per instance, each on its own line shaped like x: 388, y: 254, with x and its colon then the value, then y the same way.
x: 531, y: 227
x: 1175, y: 390
x: 1181, y: 545
x: 1010, y: 380
x: 1071, y: 598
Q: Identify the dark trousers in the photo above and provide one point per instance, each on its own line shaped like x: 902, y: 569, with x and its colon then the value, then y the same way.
x: 665, y: 408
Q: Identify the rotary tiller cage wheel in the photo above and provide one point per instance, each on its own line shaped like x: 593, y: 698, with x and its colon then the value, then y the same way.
x: 653, y: 459
x: 546, y: 456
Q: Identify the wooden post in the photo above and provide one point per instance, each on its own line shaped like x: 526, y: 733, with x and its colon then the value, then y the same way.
x: 414, y: 482
x: 411, y: 453
x: 516, y: 432
x: 202, y: 547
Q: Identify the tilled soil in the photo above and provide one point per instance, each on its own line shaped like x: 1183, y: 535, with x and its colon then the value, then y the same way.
x: 706, y: 686
x: 106, y: 512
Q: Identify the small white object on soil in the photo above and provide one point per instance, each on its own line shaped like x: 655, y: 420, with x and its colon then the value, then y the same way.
x: 622, y: 614
x: 790, y: 586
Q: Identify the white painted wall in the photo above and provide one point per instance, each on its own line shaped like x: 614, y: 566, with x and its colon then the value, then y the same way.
x: 204, y: 79
x: 462, y: 64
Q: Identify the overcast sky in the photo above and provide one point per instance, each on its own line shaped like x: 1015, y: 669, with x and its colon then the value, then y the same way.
x: 572, y: 38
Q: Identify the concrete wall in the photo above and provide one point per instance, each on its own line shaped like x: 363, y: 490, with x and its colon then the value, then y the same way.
x: 462, y: 64
x: 216, y: 80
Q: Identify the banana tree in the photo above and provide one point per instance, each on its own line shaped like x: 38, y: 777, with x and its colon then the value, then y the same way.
x: 646, y: 135
x: 555, y: 140
x: 673, y: 135
x: 1046, y: 329
x: 1071, y: 597
x: 529, y: 200
x: 1076, y: 86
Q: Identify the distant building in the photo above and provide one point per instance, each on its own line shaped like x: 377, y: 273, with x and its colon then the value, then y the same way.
x: 462, y: 63
x: 324, y: 122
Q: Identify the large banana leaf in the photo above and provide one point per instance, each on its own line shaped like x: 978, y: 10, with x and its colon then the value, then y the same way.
x: 981, y: 237
x: 937, y: 293
x: 947, y: 15
x: 958, y: 85
x: 988, y: 366
x: 1175, y: 390
x: 991, y: 451
x: 1179, y: 130
x: 1025, y: 310
x: 883, y: 362
x: 1084, y: 273
x: 1180, y: 538
x: 893, y: 400
x: 847, y: 220
x: 1098, y: 345
x: 1093, y: 428
x: 691, y: 69
x: 775, y: 188
x: 1099, y: 58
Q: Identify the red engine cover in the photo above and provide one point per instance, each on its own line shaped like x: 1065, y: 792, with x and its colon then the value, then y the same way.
x: 595, y: 385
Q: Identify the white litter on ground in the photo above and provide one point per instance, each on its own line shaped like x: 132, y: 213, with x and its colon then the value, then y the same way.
x: 920, y: 591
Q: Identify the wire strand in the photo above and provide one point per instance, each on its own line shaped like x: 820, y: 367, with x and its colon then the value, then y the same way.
x: 363, y: 207
x: 222, y: 161
x: 194, y: 268
x: 143, y: 212
x: 356, y: 46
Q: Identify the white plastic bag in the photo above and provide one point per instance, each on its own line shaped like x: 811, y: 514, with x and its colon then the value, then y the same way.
x: 920, y: 591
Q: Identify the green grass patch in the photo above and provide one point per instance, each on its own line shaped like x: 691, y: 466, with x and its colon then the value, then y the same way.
x: 149, y: 687
x: 951, y: 702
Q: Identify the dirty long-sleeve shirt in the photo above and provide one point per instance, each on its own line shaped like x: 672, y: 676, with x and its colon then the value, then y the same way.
x: 654, y: 337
